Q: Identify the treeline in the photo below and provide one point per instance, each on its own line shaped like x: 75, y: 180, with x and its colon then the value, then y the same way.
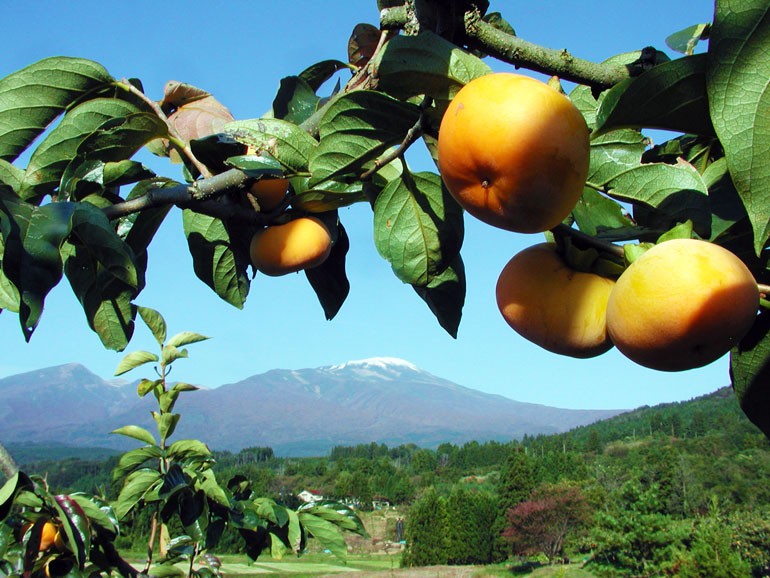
x: 653, y: 490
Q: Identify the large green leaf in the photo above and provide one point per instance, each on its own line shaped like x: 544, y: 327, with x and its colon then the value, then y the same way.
x: 670, y: 96
x: 426, y: 64
x: 445, y: 295
x: 326, y: 532
x: 739, y: 100
x: 133, y: 459
x: 19, y: 481
x: 31, y: 98
x: 137, y: 485
x: 77, y: 527
x: 676, y: 192
x: 107, y: 129
x: 356, y: 129
x: 750, y: 373
x: 281, y: 139
x: 296, y: 100
x: 418, y: 227
x: 217, y: 261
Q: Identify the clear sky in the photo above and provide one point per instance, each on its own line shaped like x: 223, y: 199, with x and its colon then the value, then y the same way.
x: 239, y: 51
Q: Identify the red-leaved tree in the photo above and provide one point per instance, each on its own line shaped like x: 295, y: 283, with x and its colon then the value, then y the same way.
x: 546, y: 520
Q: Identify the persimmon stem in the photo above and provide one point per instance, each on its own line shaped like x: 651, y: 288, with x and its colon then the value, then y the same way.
x: 591, y: 241
x: 175, y: 138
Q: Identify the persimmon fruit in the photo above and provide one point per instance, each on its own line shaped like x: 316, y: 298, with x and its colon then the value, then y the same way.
x: 269, y: 193
x: 514, y: 152
x: 49, y: 536
x: 552, y: 305
x: 682, y: 304
x: 299, y: 244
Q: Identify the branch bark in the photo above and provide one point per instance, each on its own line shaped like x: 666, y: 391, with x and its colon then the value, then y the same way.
x: 198, y: 196
x: 521, y: 53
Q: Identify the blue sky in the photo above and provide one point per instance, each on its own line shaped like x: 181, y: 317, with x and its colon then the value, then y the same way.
x: 239, y: 51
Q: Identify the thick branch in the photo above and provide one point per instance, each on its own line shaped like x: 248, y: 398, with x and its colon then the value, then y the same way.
x: 521, y: 53
x: 197, y: 196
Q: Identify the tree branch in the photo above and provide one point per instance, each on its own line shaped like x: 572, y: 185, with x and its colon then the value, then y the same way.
x: 521, y: 53
x: 174, y: 138
x: 198, y: 196
x: 589, y: 240
x: 414, y: 133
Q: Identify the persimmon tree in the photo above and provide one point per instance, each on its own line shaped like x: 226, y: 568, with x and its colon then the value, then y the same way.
x: 75, y: 204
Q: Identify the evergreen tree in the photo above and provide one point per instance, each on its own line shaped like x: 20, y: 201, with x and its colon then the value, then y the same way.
x: 469, y: 533
x: 426, y: 531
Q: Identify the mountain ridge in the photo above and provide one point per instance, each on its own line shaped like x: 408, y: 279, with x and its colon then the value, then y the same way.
x: 295, y: 411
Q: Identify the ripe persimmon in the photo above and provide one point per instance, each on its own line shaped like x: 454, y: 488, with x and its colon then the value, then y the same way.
x: 682, y: 304
x: 269, y: 193
x: 299, y: 244
x: 514, y: 152
x: 552, y: 305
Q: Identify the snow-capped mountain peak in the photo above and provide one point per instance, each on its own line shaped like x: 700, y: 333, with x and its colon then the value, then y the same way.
x: 382, y: 367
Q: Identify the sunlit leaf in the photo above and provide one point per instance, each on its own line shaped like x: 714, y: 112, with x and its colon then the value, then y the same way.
x: 136, y: 486
x: 670, y: 96
x: 418, y: 227
x: 687, y: 39
x: 52, y: 84
x: 282, y: 140
x: 154, y: 320
x: 426, y: 64
x: 133, y: 360
x: 738, y: 69
x: 296, y: 101
x: 356, y: 129
x: 77, y: 527
x: 186, y: 338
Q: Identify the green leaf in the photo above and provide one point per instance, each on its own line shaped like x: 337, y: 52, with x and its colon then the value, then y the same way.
x: 11, y: 177
x: 134, y: 360
x: 426, y: 64
x: 326, y: 532
x: 750, y: 373
x: 170, y: 354
x: 137, y: 433
x: 166, y: 423
x: 135, y: 488
x: 325, y: 196
x: 736, y: 78
x: 96, y: 177
x: 726, y: 206
x: 445, y: 296
x: 282, y: 140
x: 595, y: 214
x: 316, y: 74
x: 133, y: 459
x: 356, y: 129
x: 329, y: 279
x: 670, y: 96
x: 685, y: 40
x: 31, y: 257
x: 154, y: 320
x: 147, y: 385
x: 52, y: 84
x: 17, y: 482
x: 218, y: 261
x: 207, y: 482
x: 100, y: 515
x: 186, y: 338
x: 341, y: 515
x: 257, y: 166
x: 677, y: 192
x: 418, y: 227
x: 182, y: 450
x: 296, y: 100
x: 106, y: 129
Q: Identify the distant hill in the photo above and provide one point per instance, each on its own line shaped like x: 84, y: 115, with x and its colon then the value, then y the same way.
x: 296, y: 412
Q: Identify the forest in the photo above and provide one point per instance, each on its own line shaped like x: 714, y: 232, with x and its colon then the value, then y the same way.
x: 675, y: 489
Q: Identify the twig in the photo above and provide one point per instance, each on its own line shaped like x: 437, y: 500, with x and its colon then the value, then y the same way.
x: 414, y: 133
x: 763, y: 289
x: 613, y: 249
x: 175, y: 138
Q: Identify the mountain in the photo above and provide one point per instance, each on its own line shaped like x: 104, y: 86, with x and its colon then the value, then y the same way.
x: 296, y: 412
